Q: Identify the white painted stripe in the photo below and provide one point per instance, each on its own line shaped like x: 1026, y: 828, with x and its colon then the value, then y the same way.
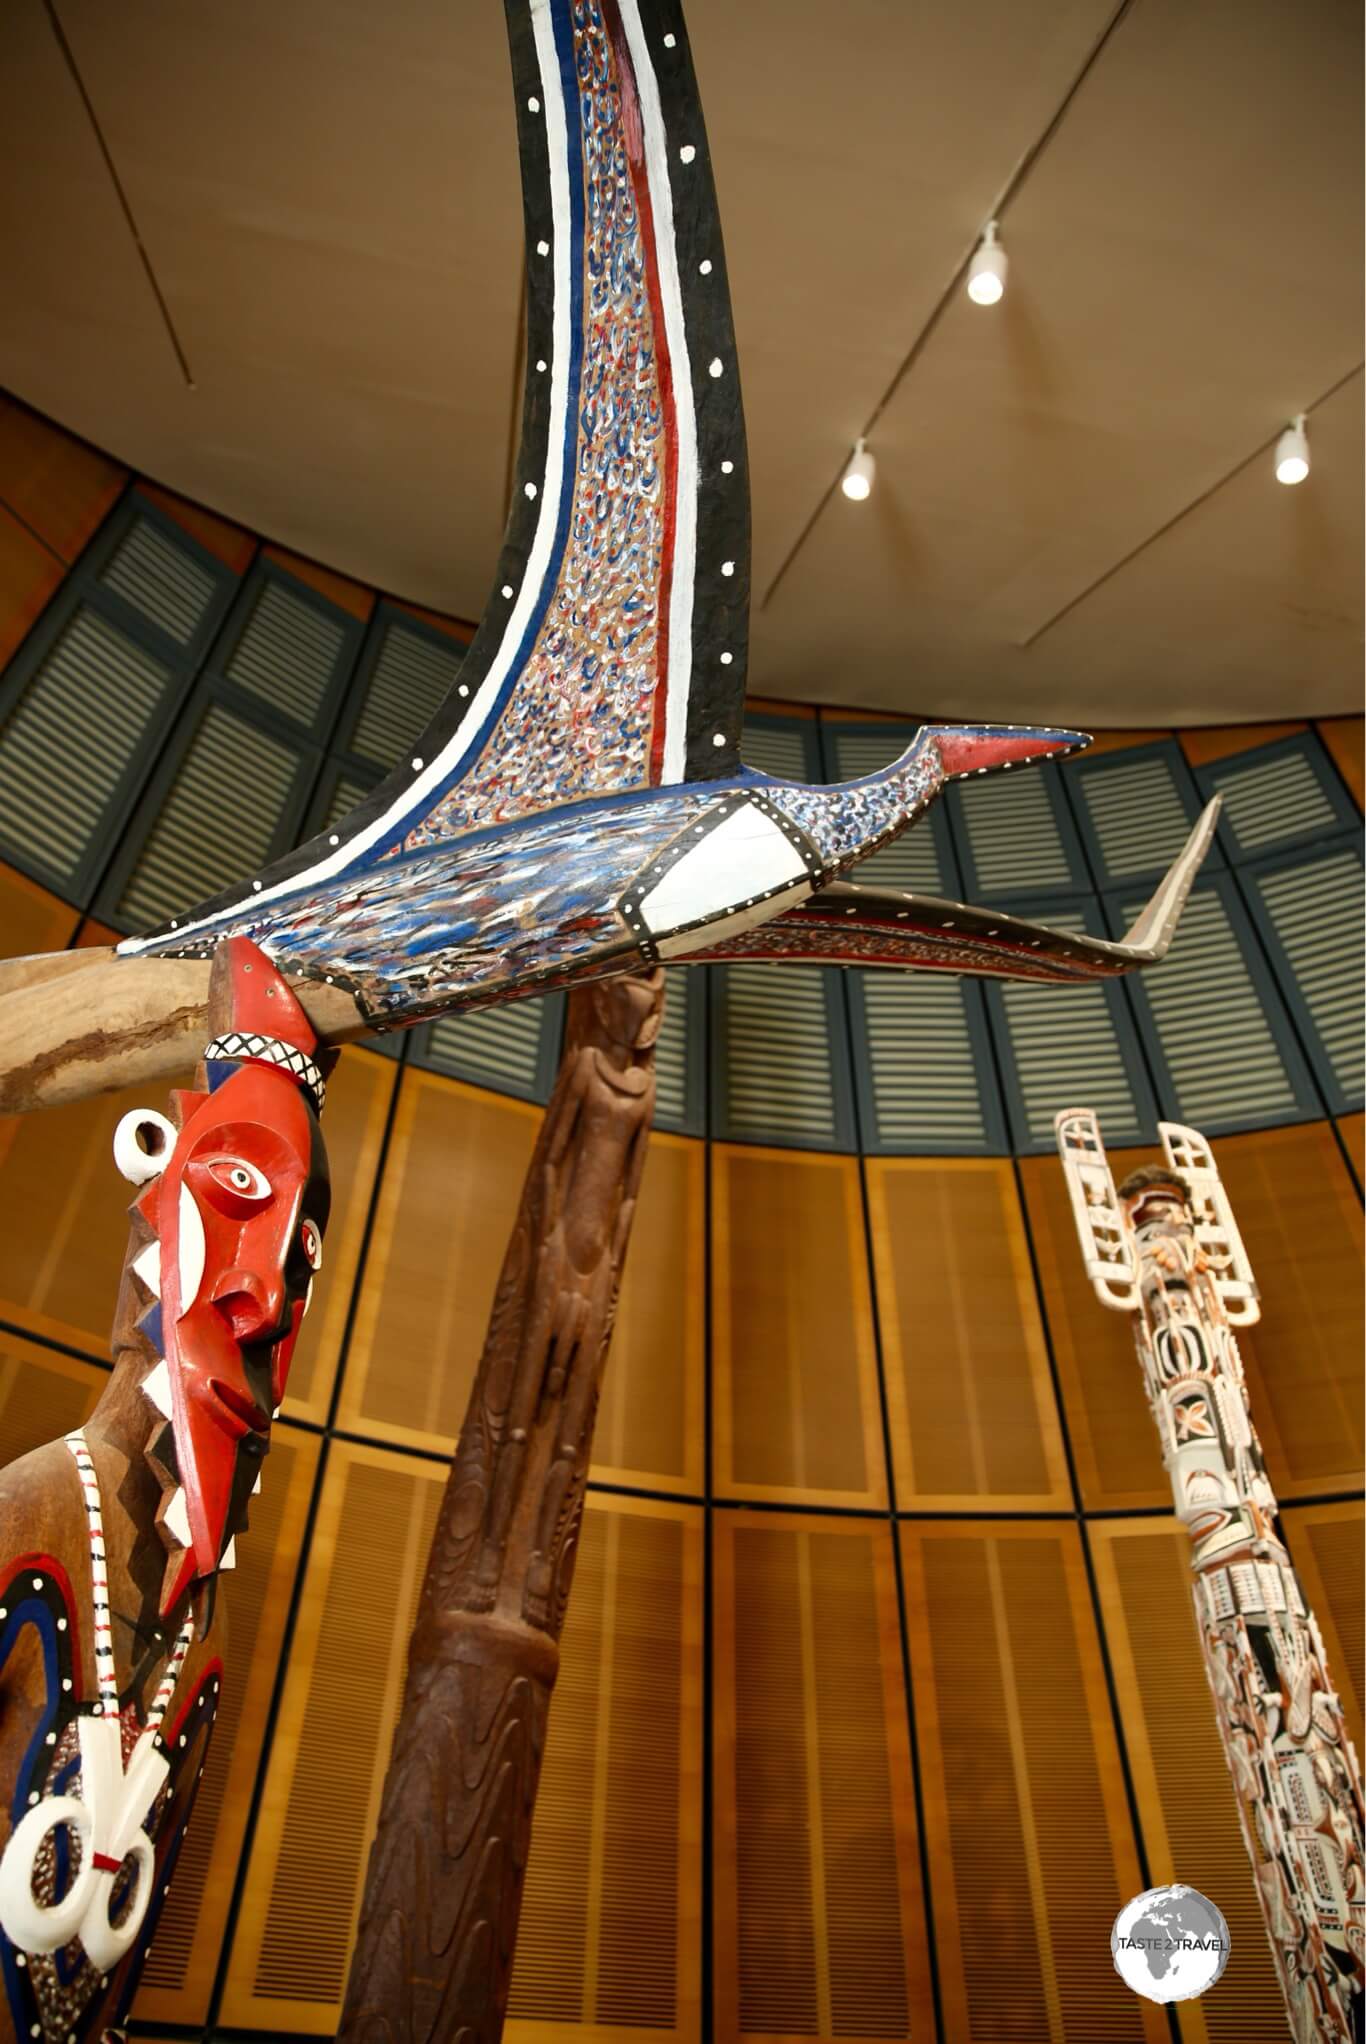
x: 685, y: 506
x: 424, y: 785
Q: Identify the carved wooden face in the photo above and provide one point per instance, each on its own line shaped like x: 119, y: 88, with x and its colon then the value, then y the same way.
x: 239, y: 1212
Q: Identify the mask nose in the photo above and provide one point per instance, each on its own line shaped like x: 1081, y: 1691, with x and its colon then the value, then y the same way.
x: 252, y: 1308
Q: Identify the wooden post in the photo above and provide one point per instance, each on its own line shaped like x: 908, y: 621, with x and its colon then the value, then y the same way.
x: 443, y: 1889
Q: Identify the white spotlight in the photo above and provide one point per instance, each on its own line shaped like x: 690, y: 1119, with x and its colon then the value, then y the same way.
x: 1292, y: 452
x: 987, y: 270
x: 857, y: 480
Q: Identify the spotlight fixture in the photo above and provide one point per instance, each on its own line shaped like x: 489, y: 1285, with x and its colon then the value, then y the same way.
x: 987, y: 270
x: 857, y: 480
x: 1292, y: 452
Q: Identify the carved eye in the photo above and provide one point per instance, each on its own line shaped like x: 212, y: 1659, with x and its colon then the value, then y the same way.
x: 235, y: 1175
x: 312, y: 1245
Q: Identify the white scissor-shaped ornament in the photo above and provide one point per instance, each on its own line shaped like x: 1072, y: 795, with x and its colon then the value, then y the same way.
x: 109, y: 1815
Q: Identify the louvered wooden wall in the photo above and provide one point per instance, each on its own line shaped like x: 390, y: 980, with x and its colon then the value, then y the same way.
x: 880, y: 1689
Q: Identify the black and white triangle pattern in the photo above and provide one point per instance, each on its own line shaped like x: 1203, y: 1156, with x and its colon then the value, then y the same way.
x: 268, y: 1050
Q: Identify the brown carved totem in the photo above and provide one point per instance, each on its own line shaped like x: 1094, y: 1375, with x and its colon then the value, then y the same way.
x: 444, y: 1886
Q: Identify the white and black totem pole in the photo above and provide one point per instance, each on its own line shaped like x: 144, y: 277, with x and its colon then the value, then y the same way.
x: 1165, y: 1249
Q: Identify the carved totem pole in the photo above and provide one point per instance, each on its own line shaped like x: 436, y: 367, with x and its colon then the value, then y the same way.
x: 1167, y: 1251
x: 112, y: 1540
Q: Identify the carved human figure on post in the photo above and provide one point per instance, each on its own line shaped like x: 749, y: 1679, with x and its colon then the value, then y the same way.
x: 112, y: 1540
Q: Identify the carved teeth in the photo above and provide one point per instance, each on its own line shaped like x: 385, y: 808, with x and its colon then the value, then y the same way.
x: 256, y: 1488
x: 229, y: 1554
x: 147, y: 1264
x: 176, y: 1519
x: 156, y: 1385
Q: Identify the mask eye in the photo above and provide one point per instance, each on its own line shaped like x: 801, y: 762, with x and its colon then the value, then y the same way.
x: 241, y: 1179
x: 312, y: 1243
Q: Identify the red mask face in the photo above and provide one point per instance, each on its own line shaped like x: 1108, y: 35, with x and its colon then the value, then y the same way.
x: 239, y: 1212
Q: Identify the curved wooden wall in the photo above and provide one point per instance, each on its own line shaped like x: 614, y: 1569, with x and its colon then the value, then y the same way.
x: 880, y: 1686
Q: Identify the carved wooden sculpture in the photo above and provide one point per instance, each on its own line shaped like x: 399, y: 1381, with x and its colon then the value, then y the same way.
x: 444, y: 1888
x: 1166, y: 1250
x: 111, y: 1540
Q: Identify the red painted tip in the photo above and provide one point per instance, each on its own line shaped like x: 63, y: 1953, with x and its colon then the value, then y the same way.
x: 977, y: 749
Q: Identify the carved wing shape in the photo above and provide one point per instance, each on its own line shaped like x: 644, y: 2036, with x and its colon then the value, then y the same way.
x: 1106, y: 1244
x: 846, y: 924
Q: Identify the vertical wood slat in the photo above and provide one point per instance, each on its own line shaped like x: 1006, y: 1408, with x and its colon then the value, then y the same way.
x: 973, y: 1420
x: 795, y: 1408
x: 1326, y: 1546
x: 43, y: 1395
x: 320, y: 1801
x: 1185, y: 1799
x: 818, y: 1915
x: 31, y: 919
x: 56, y: 485
x: 178, y: 1980
x: 611, y: 1935
x: 1030, y: 1849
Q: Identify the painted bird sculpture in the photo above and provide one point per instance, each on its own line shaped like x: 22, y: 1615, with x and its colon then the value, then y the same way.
x: 579, y: 807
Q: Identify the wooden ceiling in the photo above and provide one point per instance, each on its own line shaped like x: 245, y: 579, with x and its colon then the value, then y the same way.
x: 306, y: 315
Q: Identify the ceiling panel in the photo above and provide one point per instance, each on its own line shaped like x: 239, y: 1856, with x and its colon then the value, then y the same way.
x: 1179, y: 284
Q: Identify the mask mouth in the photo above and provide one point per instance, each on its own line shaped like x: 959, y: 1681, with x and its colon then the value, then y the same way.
x: 244, y: 1409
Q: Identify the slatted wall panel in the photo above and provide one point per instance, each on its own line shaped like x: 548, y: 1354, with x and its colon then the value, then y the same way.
x: 681, y: 1053
x: 1060, y: 1045
x: 1031, y: 1853
x: 1114, y: 1443
x: 452, y: 1181
x: 780, y: 1056
x: 64, y: 1217
x: 973, y: 1421
x: 650, y: 1427
x: 1326, y: 1543
x: 1276, y: 795
x: 407, y: 683
x: 795, y: 1395
x: 197, y: 840
x: 154, y: 572
x: 513, y: 1049
x: 298, y: 1917
x: 1300, y: 1218
x: 1014, y: 836
x: 922, y: 1064
x: 31, y: 919
x: 43, y: 1395
x: 818, y: 1927
x: 921, y: 860
x: 786, y: 747
x: 1134, y: 809
x: 1222, y: 1047
x: 291, y: 649
x: 1310, y: 913
x: 178, y: 1979
x: 359, y: 1092
x: 346, y: 791
x: 66, y: 764
x: 1185, y: 1800
x: 610, y: 1938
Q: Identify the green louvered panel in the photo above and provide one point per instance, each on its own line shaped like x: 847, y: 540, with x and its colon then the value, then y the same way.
x: 1135, y: 809
x: 511, y: 1049
x: 1275, y: 795
x: 70, y: 743
x: 1067, y: 1047
x: 289, y: 650
x: 914, y: 861
x: 217, y: 821
x: 405, y: 688
x: 161, y: 580
x: 782, y: 746
x: 781, y: 1057
x: 1311, y: 914
x: 1218, y: 1037
x: 923, y: 1065
x: 1013, y: 838
x: 345, y: 795
x: 678, y: 1052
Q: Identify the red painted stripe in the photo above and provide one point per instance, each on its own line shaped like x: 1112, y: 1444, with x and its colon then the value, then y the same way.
x: 633, y: 132
x: 105, y: 1862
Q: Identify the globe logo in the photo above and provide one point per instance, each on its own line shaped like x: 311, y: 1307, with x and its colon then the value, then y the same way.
x: 1170, y: 1944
